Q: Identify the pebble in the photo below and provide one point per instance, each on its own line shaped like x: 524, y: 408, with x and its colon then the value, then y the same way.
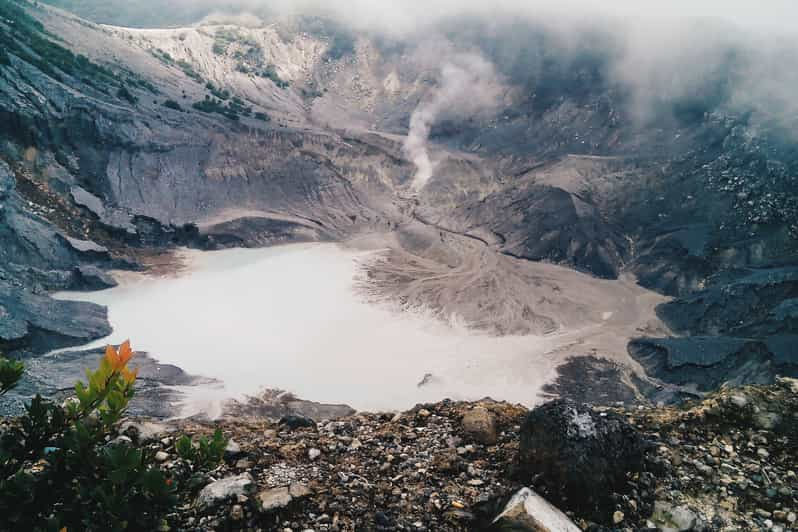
x: 237, y: 512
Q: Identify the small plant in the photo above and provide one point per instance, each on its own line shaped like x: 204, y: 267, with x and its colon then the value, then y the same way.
x: 222, y: 94
x: 205, y: 453
x: 59, y: 467
x: 125, y: 94
x: 10, y: 373
x: 270, y: 73
x: 171, y: 104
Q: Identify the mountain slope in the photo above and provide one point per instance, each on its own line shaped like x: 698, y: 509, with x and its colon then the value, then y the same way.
x: 296, y: 129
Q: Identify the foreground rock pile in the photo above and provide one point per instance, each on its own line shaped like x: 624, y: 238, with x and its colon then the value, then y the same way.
x: 726, y: 463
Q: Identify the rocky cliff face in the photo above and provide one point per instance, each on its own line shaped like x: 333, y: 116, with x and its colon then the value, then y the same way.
x: 218, y: 135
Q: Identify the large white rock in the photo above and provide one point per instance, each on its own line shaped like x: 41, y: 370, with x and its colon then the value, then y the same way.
x: 226, y: 488
x: 529, y: 511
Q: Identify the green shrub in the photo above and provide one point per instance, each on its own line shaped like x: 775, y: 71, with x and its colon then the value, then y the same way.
x: 263, y: 116
x: 205, y: 453
x: 27, y: 39
x: 270, y: 73
x: 171, y: 104
x: 222, y: 94
x: 124, y: 94
x: 232, y: 109
x: 188, y: 70
x: 59, y: 470
x: 10, y: 373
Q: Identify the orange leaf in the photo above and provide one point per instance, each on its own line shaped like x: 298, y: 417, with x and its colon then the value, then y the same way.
x: 129, y: 376
x: 125, y: 353
x: 111, y: 355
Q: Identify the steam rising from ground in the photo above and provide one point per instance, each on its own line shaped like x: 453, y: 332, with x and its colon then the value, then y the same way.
x: 467, y: 84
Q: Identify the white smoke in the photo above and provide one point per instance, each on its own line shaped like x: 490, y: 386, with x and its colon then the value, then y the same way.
x: 467, y: 84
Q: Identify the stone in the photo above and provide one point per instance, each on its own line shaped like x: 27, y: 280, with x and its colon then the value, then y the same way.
x: 232, y: 450
x: 296, y: 421
x: 226, y: 488
x: 479, y: 424
x: 237, y: 512
x: 144, y: 431
x: 581, y: 457
x: 121, y: 440
x: 298, y: 490
x: 669, y: 518
x: 161, y: 456
x: 528, y: 511
x: 313, y: 453
x: 617, y: 518
x: 274, y: 499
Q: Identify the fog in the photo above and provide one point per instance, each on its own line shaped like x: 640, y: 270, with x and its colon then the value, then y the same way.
x: 288, y: 318
x: 387, y: 15
x: 740, y: 54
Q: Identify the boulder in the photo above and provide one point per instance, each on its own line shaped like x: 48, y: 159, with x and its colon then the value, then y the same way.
x: 479, y: 424
x: 274, y: 498
x: 296, y: 421
x: 528, y: 511
x: 669, y: 518
x: 233, y: 449
x: 580, y: 456
x: 224, y: 489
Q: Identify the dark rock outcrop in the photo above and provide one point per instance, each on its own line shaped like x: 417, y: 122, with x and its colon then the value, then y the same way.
x: 254, y: 231
x: 580, y: 456
x: 755, y: 303
x: 705, y: 362
x: 42, y: 323
x: 541, y: 222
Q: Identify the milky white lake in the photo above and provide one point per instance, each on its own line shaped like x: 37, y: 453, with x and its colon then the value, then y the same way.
x: 289, y: 318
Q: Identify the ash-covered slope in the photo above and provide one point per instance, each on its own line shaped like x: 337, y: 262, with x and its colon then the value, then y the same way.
x: 303, y: 129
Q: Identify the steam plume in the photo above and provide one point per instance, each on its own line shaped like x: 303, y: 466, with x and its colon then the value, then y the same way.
x: 467, y: 84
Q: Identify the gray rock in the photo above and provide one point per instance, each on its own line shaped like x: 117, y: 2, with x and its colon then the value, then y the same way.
x: 274, y: 499
x: 479, y: 424
x: 232, y: 450
x: 93, y: 278
x: 144, y: 431
x: 297, y: 490
x: 528, y: 511
x: 85, y: 246
x: 67, y: 322
x: 669, y: 518
x: 224, y: 489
